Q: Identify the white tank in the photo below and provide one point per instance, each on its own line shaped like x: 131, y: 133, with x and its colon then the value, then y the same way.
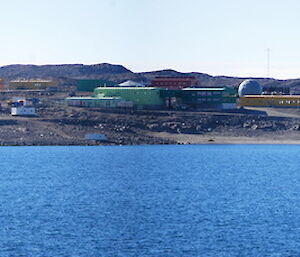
x: 250, y: 87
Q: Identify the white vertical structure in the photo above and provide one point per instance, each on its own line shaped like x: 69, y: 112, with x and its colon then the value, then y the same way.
x: 268, y: 62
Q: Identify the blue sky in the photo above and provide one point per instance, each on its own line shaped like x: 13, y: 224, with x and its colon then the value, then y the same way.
x: 224, y: 37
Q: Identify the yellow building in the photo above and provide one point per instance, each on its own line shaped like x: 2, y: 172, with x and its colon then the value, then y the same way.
x: 32, y: 84
x: 270, y: 100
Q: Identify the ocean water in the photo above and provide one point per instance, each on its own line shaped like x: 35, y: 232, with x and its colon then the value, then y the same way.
x: 206, y: 200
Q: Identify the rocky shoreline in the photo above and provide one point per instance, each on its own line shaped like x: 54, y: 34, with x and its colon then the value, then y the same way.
x: 61, y: 125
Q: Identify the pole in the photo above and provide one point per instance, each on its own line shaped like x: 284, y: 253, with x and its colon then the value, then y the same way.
x: 268, y: 62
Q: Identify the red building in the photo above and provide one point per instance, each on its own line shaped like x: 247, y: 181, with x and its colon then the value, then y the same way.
x: 174, y: 82
x: 2, y: 84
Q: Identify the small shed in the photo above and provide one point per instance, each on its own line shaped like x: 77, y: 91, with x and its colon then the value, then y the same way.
x: 23, y: 111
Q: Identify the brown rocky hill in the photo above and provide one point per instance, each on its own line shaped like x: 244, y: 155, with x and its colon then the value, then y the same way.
x: 67, y: 74
x: 211, y: 81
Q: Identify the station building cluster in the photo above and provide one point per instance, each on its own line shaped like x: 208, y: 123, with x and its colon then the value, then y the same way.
x: 178, y: 93
x: 162, y: 92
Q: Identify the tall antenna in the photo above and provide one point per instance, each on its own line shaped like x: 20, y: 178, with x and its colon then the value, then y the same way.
x: 268, y: 62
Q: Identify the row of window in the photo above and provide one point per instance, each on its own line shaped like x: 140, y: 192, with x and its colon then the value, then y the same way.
x: 144, y: 93
x: 272, y: 103
x: 171, y: 83
x: 289, y: 102
x: 201, y: 100
x: 207, y: 93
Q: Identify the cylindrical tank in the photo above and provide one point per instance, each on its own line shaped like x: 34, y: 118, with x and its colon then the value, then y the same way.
x: 250, y: 87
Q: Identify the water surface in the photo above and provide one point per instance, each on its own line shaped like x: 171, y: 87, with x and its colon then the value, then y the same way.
x: 205, y: 200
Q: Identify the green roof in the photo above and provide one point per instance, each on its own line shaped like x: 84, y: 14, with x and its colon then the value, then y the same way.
x: 204, y: 89
x: 92, y: 98
x: 131, y: 88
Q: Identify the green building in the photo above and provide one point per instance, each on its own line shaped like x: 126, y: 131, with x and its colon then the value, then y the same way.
x: 141, y: 97
x: 219, y: 97
x: 100, y: 102
x: 88, y: 85
x: 158, y: 98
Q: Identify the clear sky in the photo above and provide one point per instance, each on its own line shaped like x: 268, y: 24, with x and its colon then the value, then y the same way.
x: 218, y: 37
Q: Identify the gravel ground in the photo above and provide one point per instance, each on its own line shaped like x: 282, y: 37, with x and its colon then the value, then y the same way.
x: 60, y: 125
x: 57, y: 124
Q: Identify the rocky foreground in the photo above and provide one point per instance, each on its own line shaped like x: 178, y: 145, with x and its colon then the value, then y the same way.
x: 61, y: 125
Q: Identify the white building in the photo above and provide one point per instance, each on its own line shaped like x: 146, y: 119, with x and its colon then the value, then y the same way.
x: 23, y: 111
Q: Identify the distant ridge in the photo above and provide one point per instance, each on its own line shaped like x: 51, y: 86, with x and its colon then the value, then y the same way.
x: 62, y: 70
x: 66, y: 74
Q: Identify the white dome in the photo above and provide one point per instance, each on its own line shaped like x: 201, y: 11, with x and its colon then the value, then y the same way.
x: 250, y: 87
x: 130, y: 83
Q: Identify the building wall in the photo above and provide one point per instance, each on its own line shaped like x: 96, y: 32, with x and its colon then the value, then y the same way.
x: 23, y: 111
x: 270, y: 101
x: 174, y: 82
x: 88, y: 85
x: 31, y: 84
x: 207, y: 97
x: 139, y: 96
x: 278, y: 90
x: 93, y: 102
x: 2, y: 84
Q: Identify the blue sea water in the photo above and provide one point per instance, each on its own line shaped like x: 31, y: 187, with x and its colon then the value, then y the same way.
x: 205, y: 200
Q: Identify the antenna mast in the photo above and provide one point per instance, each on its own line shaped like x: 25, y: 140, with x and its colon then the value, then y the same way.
x: 268, y: 62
